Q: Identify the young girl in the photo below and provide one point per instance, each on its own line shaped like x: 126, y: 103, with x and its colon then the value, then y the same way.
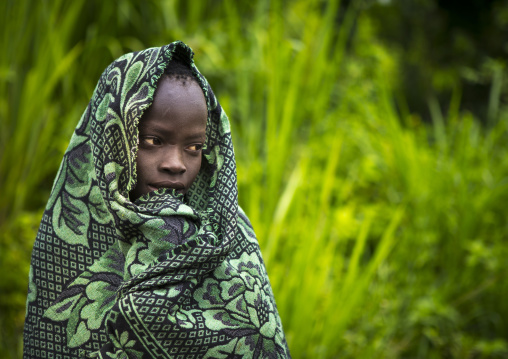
x: 142, y: 251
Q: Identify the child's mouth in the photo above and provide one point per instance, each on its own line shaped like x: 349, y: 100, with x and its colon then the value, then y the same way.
x: 178, y: 186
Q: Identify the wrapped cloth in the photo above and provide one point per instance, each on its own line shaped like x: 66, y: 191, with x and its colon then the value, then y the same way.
x: 166, y: 276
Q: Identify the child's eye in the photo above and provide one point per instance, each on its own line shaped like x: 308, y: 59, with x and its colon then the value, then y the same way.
x: 195, y: 147
x: 153, y: 141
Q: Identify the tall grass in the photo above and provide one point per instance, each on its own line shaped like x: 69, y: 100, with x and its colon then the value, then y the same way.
x: 383, y: 236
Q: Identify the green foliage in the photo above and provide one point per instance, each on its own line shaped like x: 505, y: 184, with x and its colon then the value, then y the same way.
x: 444, y: 45
x: 383, y: 236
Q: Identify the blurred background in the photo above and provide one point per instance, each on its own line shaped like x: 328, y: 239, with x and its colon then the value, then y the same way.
x: 372, y: 150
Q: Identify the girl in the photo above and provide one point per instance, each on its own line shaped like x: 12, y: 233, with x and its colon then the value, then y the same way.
x: 142, y: 251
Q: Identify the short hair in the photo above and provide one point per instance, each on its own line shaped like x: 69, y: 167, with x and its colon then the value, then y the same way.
x: 179, y: 71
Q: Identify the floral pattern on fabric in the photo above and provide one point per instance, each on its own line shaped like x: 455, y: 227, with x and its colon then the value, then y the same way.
x: 239, y: 302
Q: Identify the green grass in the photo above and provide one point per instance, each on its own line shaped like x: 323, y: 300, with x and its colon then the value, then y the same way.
x: 383, y: 237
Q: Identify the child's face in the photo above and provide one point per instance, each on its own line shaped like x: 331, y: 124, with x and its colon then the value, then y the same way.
x: 171, y: 135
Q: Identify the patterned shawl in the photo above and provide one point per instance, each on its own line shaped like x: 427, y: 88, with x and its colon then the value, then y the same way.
x: 165, y: 276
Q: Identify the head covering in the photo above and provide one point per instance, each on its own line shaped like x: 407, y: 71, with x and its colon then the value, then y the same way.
x: 165, y: 276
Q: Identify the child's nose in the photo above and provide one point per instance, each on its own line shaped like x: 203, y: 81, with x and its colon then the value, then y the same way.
x: 172, y: 161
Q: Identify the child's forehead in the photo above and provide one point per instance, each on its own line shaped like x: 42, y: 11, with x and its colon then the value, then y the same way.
x: 178, y: 85
x: 178, y: 100
x: 185, y: 72
x: 177, y: 89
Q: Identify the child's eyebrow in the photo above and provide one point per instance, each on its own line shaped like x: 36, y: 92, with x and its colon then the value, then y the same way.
x: 197, y: 134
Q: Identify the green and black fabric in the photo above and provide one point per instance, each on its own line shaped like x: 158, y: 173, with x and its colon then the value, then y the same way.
x: 165, y: 276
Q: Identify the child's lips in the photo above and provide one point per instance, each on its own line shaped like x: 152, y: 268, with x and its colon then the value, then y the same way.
x: 179, y: 186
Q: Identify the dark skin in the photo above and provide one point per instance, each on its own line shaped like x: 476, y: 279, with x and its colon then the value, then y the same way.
x: 171, y: 137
